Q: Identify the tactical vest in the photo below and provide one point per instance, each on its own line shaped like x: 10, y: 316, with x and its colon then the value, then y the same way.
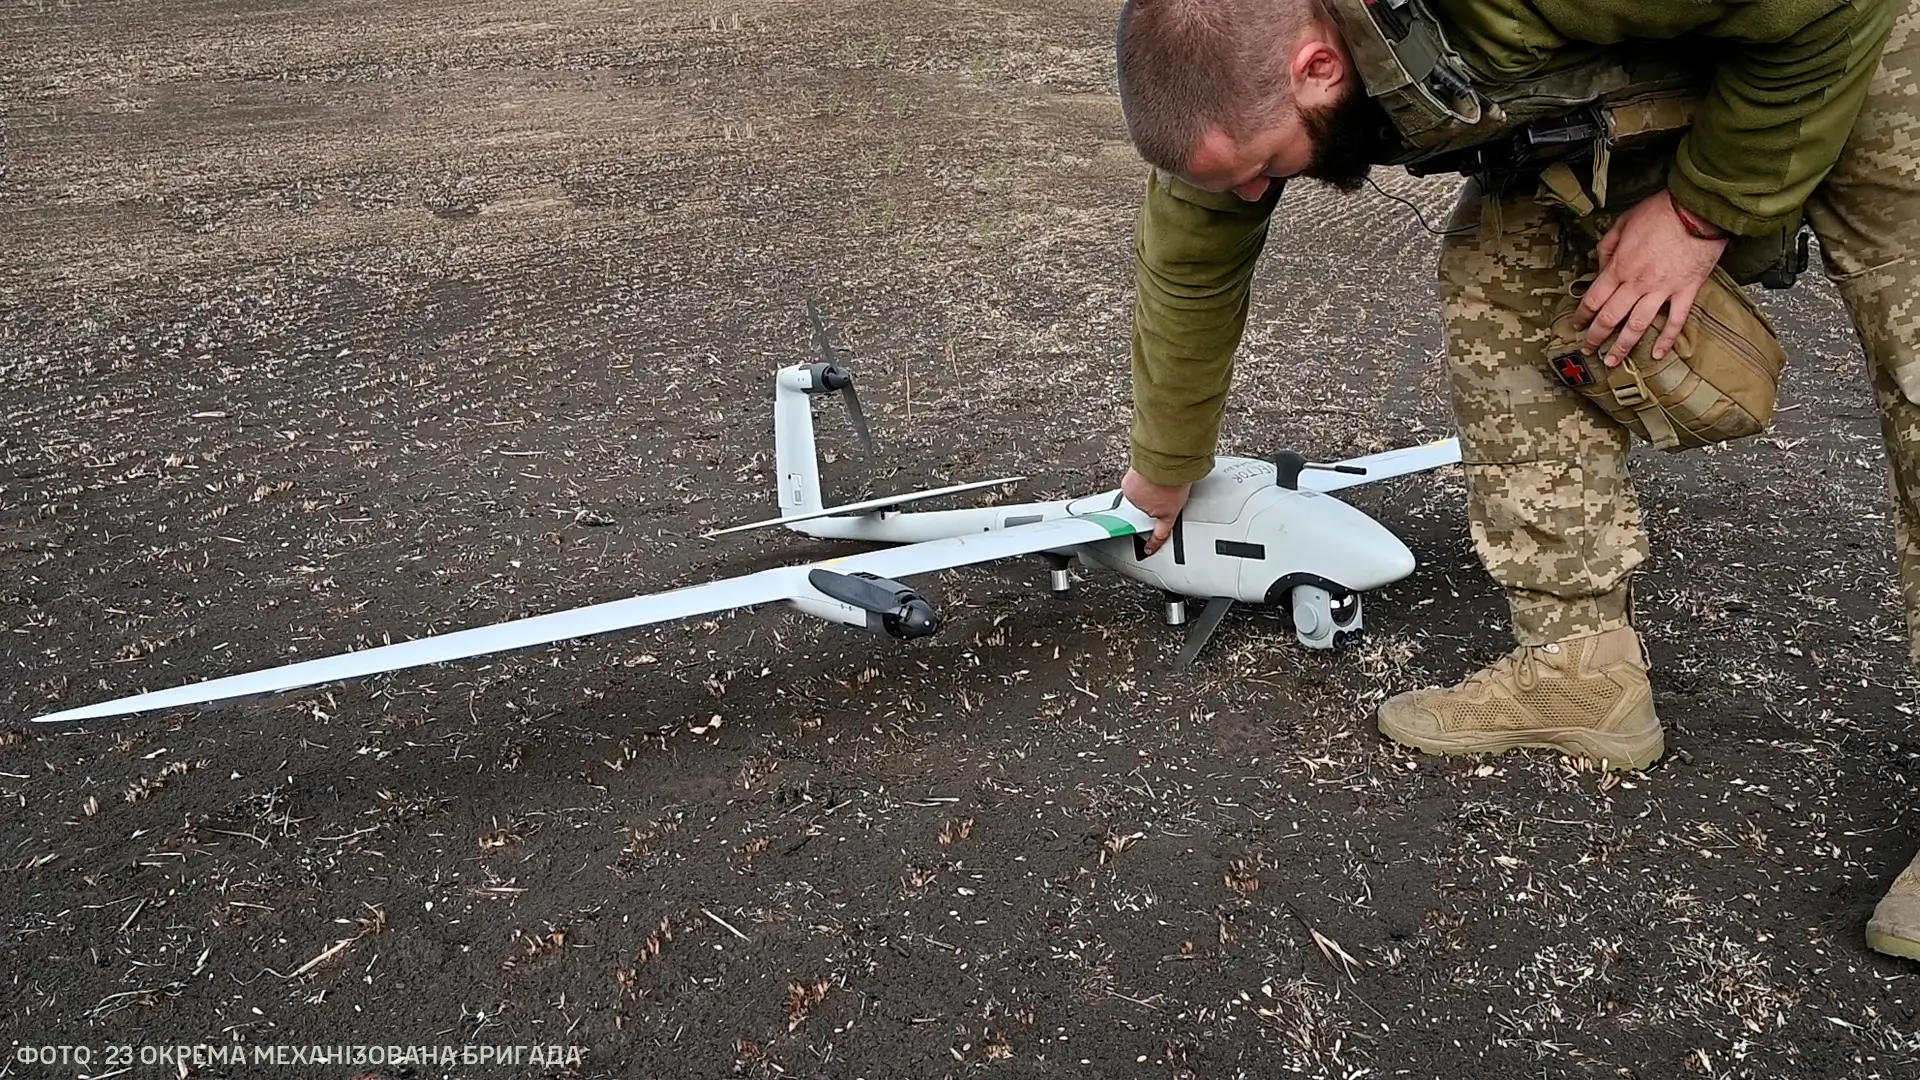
x: 1596, y: 131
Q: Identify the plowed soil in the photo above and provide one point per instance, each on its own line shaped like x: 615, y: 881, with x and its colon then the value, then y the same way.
x: 343, y: 322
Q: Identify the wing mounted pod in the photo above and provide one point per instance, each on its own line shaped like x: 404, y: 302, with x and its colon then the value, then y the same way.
x: 903, y: 613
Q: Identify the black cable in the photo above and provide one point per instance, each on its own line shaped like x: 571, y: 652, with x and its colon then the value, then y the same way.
x: 1417, y: 215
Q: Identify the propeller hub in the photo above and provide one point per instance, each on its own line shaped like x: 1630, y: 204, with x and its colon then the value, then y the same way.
x: 1287, y: 465
x: 913, y: 619
x: 901, y: 612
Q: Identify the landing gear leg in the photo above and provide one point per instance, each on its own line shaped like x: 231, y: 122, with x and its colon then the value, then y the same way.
x: 1060, y: 576
x: 1321, y: 620
x: 1176, y: 610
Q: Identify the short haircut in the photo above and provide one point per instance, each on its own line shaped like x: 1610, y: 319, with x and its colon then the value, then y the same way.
x: 1187, y: 65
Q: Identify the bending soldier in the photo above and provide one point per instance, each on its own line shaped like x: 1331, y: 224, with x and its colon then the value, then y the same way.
x: 1590, y: 277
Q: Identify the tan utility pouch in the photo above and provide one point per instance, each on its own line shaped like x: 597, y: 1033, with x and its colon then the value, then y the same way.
x: 1719, y: 381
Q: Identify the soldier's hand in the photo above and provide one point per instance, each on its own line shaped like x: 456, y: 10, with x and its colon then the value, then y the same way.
x: 1162, y: 502
x: 1648, y: 261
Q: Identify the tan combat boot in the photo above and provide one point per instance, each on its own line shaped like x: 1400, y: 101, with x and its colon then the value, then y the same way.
x: 1586, y: 697
x: 1894, y: 928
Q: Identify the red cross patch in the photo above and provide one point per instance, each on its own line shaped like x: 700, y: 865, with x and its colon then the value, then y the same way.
x: 1573, y: 371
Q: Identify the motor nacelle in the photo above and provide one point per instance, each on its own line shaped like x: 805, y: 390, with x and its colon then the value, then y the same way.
x: 902, y: 612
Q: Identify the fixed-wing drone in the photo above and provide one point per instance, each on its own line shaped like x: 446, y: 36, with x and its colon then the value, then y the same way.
x: 1253, y: 531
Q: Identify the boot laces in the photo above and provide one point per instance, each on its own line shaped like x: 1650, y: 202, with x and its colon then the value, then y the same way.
x: 1521, y: 665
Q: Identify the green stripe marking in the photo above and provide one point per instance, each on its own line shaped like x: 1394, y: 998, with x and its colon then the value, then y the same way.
x: 1114, y: 526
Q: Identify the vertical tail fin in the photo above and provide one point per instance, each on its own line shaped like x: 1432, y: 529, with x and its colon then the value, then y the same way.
x: 796, y: 462
x: 795, y: 459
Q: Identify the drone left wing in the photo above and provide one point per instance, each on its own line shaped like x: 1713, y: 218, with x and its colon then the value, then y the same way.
x: 787, y: 583
x: 1386, y: 464
x: 952, y: 551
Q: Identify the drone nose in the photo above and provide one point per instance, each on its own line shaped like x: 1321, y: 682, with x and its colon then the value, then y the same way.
x: 1401, y: 562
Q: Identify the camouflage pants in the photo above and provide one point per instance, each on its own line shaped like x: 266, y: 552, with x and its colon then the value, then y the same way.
x: 1551, y: 507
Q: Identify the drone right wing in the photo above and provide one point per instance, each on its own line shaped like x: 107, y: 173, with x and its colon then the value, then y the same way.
x: 843, y: 590
x: 767, y: 586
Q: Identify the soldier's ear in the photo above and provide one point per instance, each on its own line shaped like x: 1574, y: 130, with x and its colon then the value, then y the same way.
x: 1320, y: 72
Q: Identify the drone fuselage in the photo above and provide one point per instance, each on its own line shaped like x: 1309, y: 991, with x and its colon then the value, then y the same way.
x: 1250, y: 532
x: 1241, y: 536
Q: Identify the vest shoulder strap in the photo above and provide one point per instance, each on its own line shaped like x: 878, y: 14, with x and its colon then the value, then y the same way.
x: 1440, y: 108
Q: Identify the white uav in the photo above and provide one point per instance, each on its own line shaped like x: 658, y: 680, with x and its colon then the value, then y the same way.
x: 1253, y: 531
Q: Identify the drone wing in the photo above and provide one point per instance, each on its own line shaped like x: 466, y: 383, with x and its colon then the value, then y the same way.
x: 786, y: 583
x: 930, y: 555
x: 1384, y: 465
x: 868, y: 504
x: 767, y: 586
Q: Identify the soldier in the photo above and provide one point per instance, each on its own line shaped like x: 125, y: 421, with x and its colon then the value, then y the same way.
x: 1571, y: 240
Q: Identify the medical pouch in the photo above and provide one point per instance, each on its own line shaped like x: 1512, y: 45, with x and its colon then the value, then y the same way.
x: 1719, y: 381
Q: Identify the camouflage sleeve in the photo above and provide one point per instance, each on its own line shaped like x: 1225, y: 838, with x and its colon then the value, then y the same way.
x: 1194, y: 255
x: 1783, y: 100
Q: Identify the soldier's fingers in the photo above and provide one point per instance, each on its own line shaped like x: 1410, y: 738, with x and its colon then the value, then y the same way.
x: 1162, y: 528
x: 1608, y: 245
x: 1596, y: 296
x: 1636, y: 326
x: 1615, y: 312
x: 1678, y: 309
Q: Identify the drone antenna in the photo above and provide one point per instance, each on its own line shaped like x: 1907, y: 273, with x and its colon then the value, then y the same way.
x: 839, y: 378
x: 1289, y: 464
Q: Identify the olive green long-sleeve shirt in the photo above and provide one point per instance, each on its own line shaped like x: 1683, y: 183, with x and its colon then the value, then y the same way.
x: 1790, y: 78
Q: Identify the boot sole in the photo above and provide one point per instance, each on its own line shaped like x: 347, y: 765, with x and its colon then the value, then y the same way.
x: 1614, y: 750
x: 1882, y: 942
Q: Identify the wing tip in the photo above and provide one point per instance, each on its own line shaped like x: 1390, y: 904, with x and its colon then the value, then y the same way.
x: 67, y: 716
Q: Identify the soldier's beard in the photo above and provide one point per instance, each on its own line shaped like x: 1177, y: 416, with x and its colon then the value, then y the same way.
x: 1348, y: 140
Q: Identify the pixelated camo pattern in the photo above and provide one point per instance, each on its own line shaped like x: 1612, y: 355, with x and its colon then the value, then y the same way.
x: 1551, y: 507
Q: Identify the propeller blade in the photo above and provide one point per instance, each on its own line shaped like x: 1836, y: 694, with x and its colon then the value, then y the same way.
x: 858, y: 416
x: 903, y: 612
x: 820, y: 337
x: 840, y: 379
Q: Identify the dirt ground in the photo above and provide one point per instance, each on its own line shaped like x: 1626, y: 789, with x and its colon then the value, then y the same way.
x: 342, y: 322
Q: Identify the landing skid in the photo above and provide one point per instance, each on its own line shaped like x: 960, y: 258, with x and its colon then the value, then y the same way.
x: 1202, y: 631
x: 1059, y: 571
x: 1321, y: 620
